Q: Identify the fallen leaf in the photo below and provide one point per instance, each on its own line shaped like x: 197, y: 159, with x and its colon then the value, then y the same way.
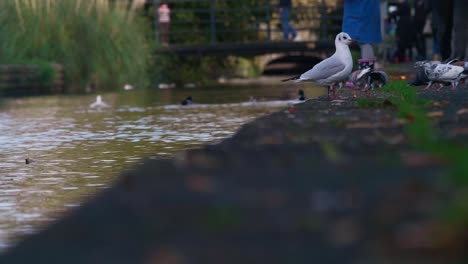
x: 269, y: 140
x: 345, y: 232
x: 418, y: 159
x: 338, y: 101
x: 435, y: 114
x: 462, y: 111
x: 459, y: 131
x: 410, y: 117
x: 394, y: 139
x: 414, y: 236
x: 199, y: 183
x: 373, y: 124
x: 387, y: 103
x: 331, y: 152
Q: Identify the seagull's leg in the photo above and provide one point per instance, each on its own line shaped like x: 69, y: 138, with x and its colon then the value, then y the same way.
x: 369, y: 82
x: 333, y: 91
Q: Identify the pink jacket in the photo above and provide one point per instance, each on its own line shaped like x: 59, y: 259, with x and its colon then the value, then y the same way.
x: 164, y: 14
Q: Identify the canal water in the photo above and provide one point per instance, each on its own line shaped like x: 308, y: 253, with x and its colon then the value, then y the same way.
x: 75, y: 150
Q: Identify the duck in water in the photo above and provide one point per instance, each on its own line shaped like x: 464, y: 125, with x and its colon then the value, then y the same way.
x: 99, y: 103
x: 187, y: 101
x: 301, y: 96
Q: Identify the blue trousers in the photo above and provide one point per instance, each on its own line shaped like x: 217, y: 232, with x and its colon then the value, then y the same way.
x: 287, y: 28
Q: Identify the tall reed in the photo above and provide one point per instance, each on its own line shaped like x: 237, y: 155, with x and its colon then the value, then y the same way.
x: 97, y: 41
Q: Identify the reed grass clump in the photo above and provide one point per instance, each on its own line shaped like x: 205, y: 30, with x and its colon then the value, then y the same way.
x: 97, y: 41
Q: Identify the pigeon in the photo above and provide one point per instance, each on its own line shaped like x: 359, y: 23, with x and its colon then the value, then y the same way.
x: 99, y: 103
x: 357, y: 79
x: 421, y: 77
x: 333, y: 70
x: 368, y: 79
x: 442, y: 73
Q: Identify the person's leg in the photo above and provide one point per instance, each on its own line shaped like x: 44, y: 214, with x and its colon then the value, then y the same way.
x: 443, y: 13
x: 287, y: 28
x: 460, y: 29
x: 421, y: 46
x: 164, y: 38
x: 284, y: 17
x: 400, y: 54
x: 367, y: 51
x: 291, y: 29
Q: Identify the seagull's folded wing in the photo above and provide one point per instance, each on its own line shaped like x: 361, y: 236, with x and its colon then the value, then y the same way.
x: 324, y: 69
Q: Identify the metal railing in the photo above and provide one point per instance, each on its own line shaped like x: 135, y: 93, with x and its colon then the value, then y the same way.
x: 244, y: 21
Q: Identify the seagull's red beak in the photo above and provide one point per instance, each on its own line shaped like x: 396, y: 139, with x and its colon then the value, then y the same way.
x: 353, y: 41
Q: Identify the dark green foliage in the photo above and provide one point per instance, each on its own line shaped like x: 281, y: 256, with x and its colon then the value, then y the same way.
x: 94, y: 41
x: 424, y: 137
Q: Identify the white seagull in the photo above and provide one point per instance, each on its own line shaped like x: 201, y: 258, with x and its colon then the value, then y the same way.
x: 332, y: 70
x: 99, y: 103
x: 442, y: 73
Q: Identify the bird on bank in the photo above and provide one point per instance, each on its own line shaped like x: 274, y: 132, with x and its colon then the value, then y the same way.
x: 368, y: 79
x: 333, y: 70
x: 187, y: 101
x: 442, y: 73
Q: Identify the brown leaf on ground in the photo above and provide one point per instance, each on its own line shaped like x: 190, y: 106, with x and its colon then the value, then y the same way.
x: 409, y: 117
x: 269, y: 140
x: 435, y: 114
x: 199, y: 183
x: 415, y: 236
x: 394, y: 139
x: 459, y: 131
x: 166, y: 255
x: 345, y: 232
x: 373, y: 124
x: 418, y: 159
x: 462, y: 111
x: 387, y: 103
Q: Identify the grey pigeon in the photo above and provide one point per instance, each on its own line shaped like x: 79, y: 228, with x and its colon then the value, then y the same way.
x: 442, y: 73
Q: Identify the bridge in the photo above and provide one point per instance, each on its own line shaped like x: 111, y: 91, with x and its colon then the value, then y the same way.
x: 246, y: 27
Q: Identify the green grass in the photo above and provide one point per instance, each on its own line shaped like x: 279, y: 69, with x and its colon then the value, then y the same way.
x: 424, y: 137
x: 419, y: 130
x: 94, y: 40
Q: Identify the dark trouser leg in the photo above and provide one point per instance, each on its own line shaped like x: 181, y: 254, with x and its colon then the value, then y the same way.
x: 287, y: 28
x: 460, y: 29
x: 442, y: 13
x: 421, y: 46
x: 164, y: 33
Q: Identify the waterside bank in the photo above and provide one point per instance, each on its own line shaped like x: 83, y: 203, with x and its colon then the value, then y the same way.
x: 330, y: 181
